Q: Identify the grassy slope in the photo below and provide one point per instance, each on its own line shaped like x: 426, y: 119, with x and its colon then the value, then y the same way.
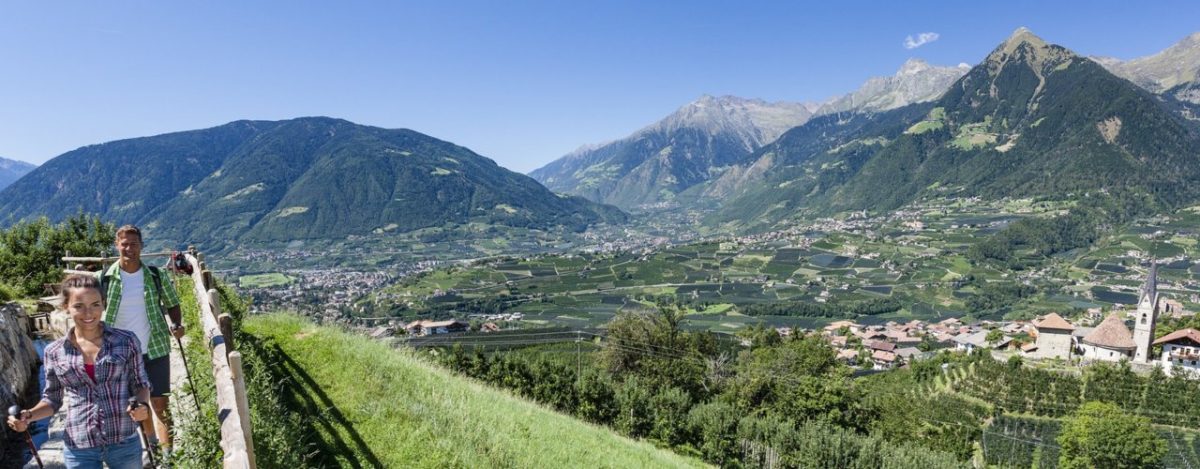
x: 390, y: 408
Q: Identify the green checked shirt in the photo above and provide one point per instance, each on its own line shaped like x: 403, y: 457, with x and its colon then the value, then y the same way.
x: 159, y: 343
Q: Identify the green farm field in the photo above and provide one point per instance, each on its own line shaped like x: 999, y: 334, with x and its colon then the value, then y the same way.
x: 925, y: 268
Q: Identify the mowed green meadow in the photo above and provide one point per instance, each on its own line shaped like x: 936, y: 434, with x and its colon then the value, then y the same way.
x: 264, y: 280
x: 369, y: 404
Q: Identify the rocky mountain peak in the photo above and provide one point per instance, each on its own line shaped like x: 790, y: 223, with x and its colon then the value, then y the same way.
x: 1023, y: 35
x: 754, y: 121
x: 1159, y: 72
x: 1022, y: 44
x: 916, y: 81
x: 913, y: 66
x: 1024, y: 47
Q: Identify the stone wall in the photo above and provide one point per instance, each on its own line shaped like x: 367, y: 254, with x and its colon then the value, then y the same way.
x: 18, y: 375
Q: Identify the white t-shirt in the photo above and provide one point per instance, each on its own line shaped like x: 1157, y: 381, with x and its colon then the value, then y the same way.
x: 131, y: 316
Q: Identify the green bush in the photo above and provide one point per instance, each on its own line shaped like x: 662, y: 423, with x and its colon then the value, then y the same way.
x: 714, y: 426
x: 31, y: 252
x: 8, y: 292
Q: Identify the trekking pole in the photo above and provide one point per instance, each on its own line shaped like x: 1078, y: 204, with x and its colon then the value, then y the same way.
x: 186, y: 369
x: 133, y: 405
x: 15, y: 412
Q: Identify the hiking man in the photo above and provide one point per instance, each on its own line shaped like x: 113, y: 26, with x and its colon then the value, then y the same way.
x: 138, y: 295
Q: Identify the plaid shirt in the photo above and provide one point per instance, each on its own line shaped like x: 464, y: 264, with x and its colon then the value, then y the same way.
x: 159, y: 343
x: 97, y: 414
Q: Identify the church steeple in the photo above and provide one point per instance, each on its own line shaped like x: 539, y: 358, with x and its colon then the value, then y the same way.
x: 1150, y: 288
x: 1146, y: 316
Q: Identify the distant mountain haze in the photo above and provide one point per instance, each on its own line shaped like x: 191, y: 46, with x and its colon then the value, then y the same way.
x: 1174, y: 71
x: 11, y: 170
x: 684, y: 149
x: 306, y: 178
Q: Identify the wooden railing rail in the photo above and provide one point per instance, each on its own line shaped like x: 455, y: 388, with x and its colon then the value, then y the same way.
x: 233, y: 409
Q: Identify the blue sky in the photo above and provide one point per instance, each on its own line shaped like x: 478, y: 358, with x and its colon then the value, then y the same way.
x: 521, y: 82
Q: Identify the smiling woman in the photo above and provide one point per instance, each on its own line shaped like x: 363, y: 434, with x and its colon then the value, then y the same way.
x: 99, y: 368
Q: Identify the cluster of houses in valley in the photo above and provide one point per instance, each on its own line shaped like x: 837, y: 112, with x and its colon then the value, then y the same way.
x: 1048, y: 337
x: 895, y: 344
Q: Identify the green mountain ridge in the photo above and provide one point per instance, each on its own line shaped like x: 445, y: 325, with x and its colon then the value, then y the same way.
x: 306, y: 178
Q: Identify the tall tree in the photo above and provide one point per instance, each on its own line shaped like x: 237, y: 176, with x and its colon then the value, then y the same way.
x: 800, y: 379
x: 651, y: 346
x: 1100, y: 435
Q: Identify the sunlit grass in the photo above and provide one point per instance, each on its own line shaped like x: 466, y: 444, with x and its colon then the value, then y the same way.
x: 374, y: 405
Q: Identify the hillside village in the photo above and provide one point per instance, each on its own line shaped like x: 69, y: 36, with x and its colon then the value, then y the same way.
x: 1050, y: 337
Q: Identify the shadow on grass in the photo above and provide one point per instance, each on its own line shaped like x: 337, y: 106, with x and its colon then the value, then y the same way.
x: 304, y: 395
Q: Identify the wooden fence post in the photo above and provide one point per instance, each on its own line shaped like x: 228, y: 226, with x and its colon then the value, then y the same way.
x: 225, y: 322
x: 239, y: 390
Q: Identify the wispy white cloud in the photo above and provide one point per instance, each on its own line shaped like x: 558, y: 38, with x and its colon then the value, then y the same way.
x: 920, y: 40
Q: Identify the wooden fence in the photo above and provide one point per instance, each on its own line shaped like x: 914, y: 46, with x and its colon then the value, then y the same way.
x: 233, y: 410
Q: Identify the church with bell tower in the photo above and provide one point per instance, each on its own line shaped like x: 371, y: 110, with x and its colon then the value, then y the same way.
x: 1146, y: 316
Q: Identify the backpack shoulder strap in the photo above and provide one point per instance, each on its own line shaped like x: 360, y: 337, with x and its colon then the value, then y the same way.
x: 157, y: 274
x: 104, y: 285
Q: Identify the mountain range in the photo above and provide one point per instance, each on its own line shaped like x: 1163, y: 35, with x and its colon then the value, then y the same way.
x: 679, y: 160
x: 306, y: 178
x: 1033, y: 119
x: 11, y: 170
x: 703, y: 139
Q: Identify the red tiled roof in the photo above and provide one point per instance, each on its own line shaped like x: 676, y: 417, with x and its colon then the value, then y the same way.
x: 1054, y: 321
x: 1111, y: 333
x: 881, y: 345
x: 883, y: 356
x: 1188, y: 333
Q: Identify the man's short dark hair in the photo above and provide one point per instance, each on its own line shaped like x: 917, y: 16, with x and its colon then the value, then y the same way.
x: 127, y: 229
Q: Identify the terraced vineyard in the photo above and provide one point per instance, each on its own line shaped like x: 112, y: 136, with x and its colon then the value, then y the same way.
x: 917, y: 256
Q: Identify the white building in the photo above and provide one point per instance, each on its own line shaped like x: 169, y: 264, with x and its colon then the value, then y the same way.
x: 1110, y: 341
x: 427, y: 327
x: 1053, y: 337
x: 1181, y: 352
